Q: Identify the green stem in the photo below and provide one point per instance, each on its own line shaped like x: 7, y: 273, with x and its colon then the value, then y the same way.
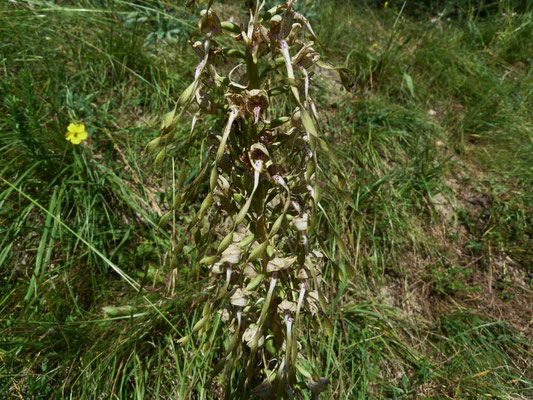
x: 252, y: 70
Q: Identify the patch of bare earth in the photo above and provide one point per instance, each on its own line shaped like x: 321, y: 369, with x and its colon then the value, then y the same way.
x: 501, y: 289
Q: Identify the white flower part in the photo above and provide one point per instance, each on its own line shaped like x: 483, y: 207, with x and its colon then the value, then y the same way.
x: 228, y: 273
x: 287, y: 306
x: 232, y: 254
x: 312, y: 301
x: 313, y: 109
x: 317, y: 254
x: 306, y: 86
x: 287, y: 58
x: 300, y: 223
x: 295, y: 31
x: 256, y: 111
x: 258, y: 165
x: 224, y: 314
x: 278, y: 264
x: 314, y: 295
x: 302, y: 274
x: 240, y: 298
x: 239, y: 316
x: 288, y: 324
x: 234, y: 82
x: 217, y: 268
x: 282, y: 365
x: 275, y: 21
x: 249, y: 271
x: 223, y: 183
x: 281, y: 182
x: 200, y: 67
x: 256, y: 180
x: 311, y: 191
x: 249, y: 335
x: 207, y: 44
x: 198, y: 48
x: 296, y: 206
x: 238, y: 236
x: 193, y: 122
x: 306, y: 243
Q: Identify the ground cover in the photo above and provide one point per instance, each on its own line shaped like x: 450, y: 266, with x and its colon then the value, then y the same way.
x: 436, y: 137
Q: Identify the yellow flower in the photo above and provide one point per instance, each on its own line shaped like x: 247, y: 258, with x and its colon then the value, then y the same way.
x: 386, y: 4
x: 76, y: 133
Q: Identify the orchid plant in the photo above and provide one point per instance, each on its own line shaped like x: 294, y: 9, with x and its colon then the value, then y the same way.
x: 252, y: 95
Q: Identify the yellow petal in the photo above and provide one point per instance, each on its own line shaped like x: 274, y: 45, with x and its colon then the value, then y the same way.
x: 76, y: 140
x: 78, y: 128
x: 75, y: 128
x: 82, y: 135
x: 69, y: 135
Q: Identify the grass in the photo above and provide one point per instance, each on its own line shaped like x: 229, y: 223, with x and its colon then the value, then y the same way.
x: 436, y: 139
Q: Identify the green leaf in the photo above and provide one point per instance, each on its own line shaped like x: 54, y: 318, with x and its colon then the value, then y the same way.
x: 257, y: 252
x: 225, y: 242
x: 247, y: 240
x: 118, y: 311
x: 187, y: 94
x: 165, y: 219
x: 160, y: 158
x: 409, y: 83
x: 167, y: 120
x: 308, y: 123
x: 208, y: 260
x: 152, y: 145
x: 255, y: 282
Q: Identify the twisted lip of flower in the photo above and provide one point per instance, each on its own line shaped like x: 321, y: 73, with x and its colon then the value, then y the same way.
x: 76, y: 133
